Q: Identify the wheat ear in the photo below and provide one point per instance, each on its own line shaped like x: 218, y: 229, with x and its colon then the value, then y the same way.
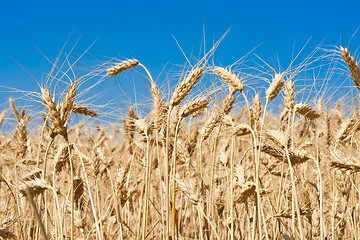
x: 257, y: 108
x: 158, y: 111
x: 275, y: 86
x: 54, y: 115
x: 193, y: 106
x: 347, y: 129
x: 289, y: 99
x: 230, y: 78
x: 346, y: 165
x: 66, y: 105
x: 246, y: 191
x: 306, y: 111
x: 124, y: 65
x: 2, y: 117
x: 79, y: 109
x: 228, y: 103
x: 210, y: 125
x: 353, y: 66
x: 185, y: 86
x: 21, y: 134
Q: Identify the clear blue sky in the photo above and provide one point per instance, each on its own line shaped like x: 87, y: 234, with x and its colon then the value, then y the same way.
x: 145, y: 30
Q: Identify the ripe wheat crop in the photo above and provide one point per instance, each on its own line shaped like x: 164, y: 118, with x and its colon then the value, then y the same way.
x: 196, y: 165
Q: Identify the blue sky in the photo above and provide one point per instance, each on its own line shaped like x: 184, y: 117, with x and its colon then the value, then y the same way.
x: 146, y: 30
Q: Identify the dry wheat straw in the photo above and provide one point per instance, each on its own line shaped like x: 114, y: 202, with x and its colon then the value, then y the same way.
x: 199, y: 199
x: 115, y: 70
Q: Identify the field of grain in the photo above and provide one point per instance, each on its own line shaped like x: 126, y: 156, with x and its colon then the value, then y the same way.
x: 239, y: 160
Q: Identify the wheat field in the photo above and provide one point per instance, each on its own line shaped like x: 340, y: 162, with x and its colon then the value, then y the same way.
x: 239, y: 160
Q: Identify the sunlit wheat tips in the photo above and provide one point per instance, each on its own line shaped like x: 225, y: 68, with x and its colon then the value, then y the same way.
x: 120, y: 67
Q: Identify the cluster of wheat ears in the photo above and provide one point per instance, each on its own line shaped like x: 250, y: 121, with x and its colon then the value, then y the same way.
x: 191, y: 168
